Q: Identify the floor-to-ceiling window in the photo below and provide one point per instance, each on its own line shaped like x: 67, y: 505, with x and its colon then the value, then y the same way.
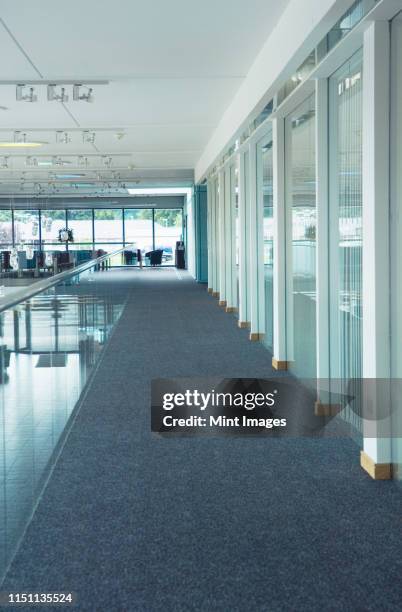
x: 26, y: 227
x: 52, y: 221
x: 101, y: 228
x: 301, y: 239
x: 138, y: 230
x: 345, y: 231
x: 265, y: 150
x: 108, y: 230
x: 81, y: 222
x: 396, y: 243
x: 237, y: 225
x: 168, y: 227
x: 6, y: 229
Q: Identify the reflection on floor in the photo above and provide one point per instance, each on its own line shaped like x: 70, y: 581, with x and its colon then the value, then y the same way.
x: 49, y: 346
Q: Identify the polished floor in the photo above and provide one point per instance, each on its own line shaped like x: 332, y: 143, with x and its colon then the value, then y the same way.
x: 133, y: 521
x: 49, y: 345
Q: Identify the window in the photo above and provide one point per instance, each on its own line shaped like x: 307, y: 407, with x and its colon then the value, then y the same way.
x: 80, y: 221
x: 301, y: 246
x: 346, y: 227
x: 51, y: 222
x: 168, y: 224
x: 138, y: 228
x: 109, y: 226
x: 266, y: 185
x: 6, y: 228
x: 26, y: 227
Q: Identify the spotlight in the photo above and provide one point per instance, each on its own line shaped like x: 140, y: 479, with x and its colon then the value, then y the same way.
x: 88, y: 137
x: 25, y: 94
x: 62, y: 137
x: 82, y: 161
x: 31, y: 161
x: 4, y: 162
x: 107, y: 161
x: 77, y: 95
x: 52, y: 94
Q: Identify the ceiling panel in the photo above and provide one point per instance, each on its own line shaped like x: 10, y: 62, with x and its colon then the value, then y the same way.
x: 128, y: 37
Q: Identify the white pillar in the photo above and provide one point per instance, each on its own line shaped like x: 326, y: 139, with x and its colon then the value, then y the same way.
x: 243, y: 243
x: 209, y: 237
x: 256, y: 252
x: 279, y: 360
x: 376, y: 454
x: 221, y: 239
x: 323, y: 405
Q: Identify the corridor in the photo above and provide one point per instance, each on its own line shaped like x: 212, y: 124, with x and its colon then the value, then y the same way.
x: 131, y: 520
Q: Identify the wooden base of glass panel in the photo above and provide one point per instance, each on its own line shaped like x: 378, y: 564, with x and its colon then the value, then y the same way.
x: 377, y: 471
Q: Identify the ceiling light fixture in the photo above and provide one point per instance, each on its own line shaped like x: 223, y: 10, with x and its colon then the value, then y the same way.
x: 88, y: 137
x: 25, y: 94
x: 53, y: 96
x: 77, y: 95
x: 31, y: 161
x: 4, y: 162
x: 62, y: 137
x: 82, y: 161
x: 20, y: 141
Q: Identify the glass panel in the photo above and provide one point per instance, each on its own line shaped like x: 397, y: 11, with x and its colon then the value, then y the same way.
x: 26, y: 227
x: 138, y: 228
x: 168, y: 230
x: 6, y: 228
x: 49, y: 346
x: 109, y: 225
x: 109, y: 247
x: 301, y: 248
x: 396, y: 240
x: 346, y: 228
x: 267, y: 194
x: 80, y: 221
x: 52, y: 221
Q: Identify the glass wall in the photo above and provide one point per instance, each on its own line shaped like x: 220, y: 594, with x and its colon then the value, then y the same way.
x: 396, y: 241
x: 108, y: 229
x: 138, y: 228
x: 168, y: 224
x: 346, y: 228
x: 51, y: 222
x: 6, y: 228
x: 80, y: 222
x: 26, y: 227
x: 267, y: 199
x: 301, y: 239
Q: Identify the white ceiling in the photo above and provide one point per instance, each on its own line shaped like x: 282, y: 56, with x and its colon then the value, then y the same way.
x: 173, y: 67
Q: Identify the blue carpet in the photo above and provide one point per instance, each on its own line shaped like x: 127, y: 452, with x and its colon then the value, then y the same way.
x: 135, y: 521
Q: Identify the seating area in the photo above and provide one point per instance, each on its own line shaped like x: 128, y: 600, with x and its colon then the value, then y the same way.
x: 42, y: 262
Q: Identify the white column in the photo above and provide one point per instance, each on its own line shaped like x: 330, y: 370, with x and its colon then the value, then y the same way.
x: 279, y: 360
x: 255, y: 250
x: 228, y: 238
x: 322, y: 246
x: 209, y: 237
x: 376, y: 455
x: 243, y: 243
x: 221, y: 238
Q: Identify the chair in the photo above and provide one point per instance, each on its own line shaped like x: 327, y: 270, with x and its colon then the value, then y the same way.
x: 155, y: 257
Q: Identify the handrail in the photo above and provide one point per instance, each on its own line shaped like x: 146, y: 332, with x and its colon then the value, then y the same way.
x: 27, y: 292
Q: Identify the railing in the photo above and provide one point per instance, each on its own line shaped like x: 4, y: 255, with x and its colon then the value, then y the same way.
x: 29, y: 291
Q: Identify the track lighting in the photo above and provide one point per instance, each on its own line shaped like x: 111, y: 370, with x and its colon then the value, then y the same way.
x: 77, y: 95
x: 25, y: 94
x: 88, y: 137
x: 107, y: 161
x: 52, y: 94
x: 62, y: 137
